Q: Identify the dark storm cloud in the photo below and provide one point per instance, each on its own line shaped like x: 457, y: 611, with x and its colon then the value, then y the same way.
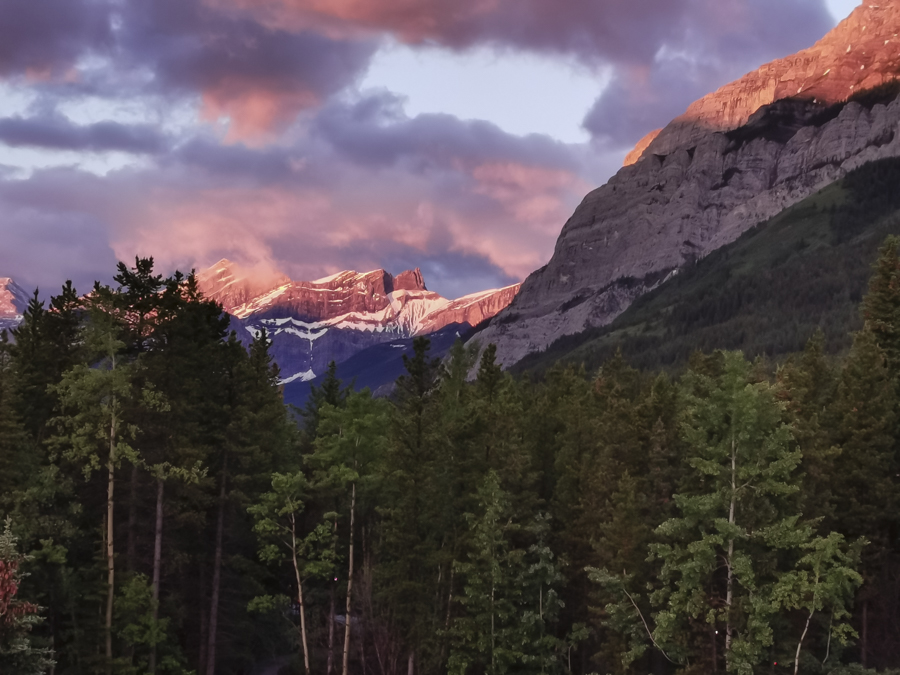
x: 59, y: 133
x: 44, y: 38
x: 260, y: 76
x: 607, y: 31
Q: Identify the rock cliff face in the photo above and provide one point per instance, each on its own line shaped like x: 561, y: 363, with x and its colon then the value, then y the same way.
x: 723, y: 167
x: 13, y: 301
x: 314, y: 322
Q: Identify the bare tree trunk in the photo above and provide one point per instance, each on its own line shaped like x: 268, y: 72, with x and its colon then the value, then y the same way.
x: 729, y: 586
x: 411, y: 664
x: 110, y: 548
x: 800, y: 644
x: 157, y: 564
x: 299, y: 593
x: 864, y: 643
x: 715, y: 648
x: 330, y: 665
x: 217, y: 579
x: 204, y: 620
x: 349, y: 583
x: 132, y: 519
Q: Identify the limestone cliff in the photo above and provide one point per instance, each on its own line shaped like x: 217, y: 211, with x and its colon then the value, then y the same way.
x: 721, y: 168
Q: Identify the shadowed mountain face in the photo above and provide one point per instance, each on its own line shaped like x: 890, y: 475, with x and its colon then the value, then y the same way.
x: 312, y: 323
x: 737, y: 157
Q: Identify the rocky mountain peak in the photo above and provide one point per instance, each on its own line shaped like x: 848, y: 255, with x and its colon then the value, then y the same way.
x: 13, y: 302
x: 232, y: 284
x: 862, y: 52
x: 410, y: 280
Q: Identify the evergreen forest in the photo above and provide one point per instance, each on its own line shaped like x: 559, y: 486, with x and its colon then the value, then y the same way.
x: 165, y: 512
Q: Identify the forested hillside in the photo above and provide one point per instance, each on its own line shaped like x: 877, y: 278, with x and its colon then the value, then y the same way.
x: 766, y: 293
x: 172, y: 517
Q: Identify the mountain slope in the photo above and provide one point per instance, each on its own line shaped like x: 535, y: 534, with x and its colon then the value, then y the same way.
x: 312, y: 323
x: 13, y: 302
x: 702, y: 183
x: 767, y: 292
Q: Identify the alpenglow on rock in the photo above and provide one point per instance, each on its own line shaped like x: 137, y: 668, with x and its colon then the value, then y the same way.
x: 13, y: 302
x: 737, y: 157
x: 312, y: 323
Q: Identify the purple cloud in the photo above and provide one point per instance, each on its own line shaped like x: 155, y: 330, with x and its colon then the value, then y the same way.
x: 59, y: 133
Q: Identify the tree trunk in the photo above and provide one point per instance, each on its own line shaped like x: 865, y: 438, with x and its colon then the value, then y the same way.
x: 864, y: 643
x: 217, y: 579
x: 800, y: 643
x: 330, y: 664
x: 299, y: 593
x: 204, y: 619
x: 132, y: 519
x: 157, y: 564
x: 411, y: 664
x: 349, y: 583
x: 729, y: 586
x: 110, y: 548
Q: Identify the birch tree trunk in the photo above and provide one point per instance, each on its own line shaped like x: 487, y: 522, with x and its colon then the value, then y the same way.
x: 729, y: 586
x: 110, y: 547
x: 349, y: 583
x: 157, y: 564
x: 299, y: 593
x: 217, y: 580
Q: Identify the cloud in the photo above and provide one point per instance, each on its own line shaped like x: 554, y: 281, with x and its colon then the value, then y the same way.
x: 59, y: 133
x: 476, y: 207
x: 713, y: 44
x: 375, y: 131
x: 45, y: 39
x: 258, y: 76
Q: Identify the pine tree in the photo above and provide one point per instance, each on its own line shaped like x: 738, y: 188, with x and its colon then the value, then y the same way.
x: 509, y: 599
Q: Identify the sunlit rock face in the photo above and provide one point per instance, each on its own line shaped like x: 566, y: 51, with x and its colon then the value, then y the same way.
x: 312, y: 323
x: 723, y: 167
x: 860, y: 53
x: 13, y: 301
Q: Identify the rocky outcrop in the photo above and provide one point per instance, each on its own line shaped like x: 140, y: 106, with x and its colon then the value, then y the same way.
x: 470, y: 309
x: 312, y: 323
x: 669, y: 209
x: 13, y: 302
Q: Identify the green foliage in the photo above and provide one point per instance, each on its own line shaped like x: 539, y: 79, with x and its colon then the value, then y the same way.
x: 492, y: 525
x: 509, y: 595
x: 17, y: 617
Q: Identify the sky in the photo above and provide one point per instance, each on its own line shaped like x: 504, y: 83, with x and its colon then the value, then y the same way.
x: 312, y: 136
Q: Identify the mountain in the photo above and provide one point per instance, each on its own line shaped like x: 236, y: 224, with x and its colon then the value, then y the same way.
x: 314, y: 322
x: 377, y: 367
x: 736, y: 158
x: 13, y: 302
x: 766, y: 293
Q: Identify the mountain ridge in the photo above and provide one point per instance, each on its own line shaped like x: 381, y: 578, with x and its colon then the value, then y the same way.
x: 312, y: 323
x: 686, y: 198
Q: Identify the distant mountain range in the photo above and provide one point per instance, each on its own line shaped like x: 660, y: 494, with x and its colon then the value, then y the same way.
x: 336, y: 318
x: 312, y: 323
